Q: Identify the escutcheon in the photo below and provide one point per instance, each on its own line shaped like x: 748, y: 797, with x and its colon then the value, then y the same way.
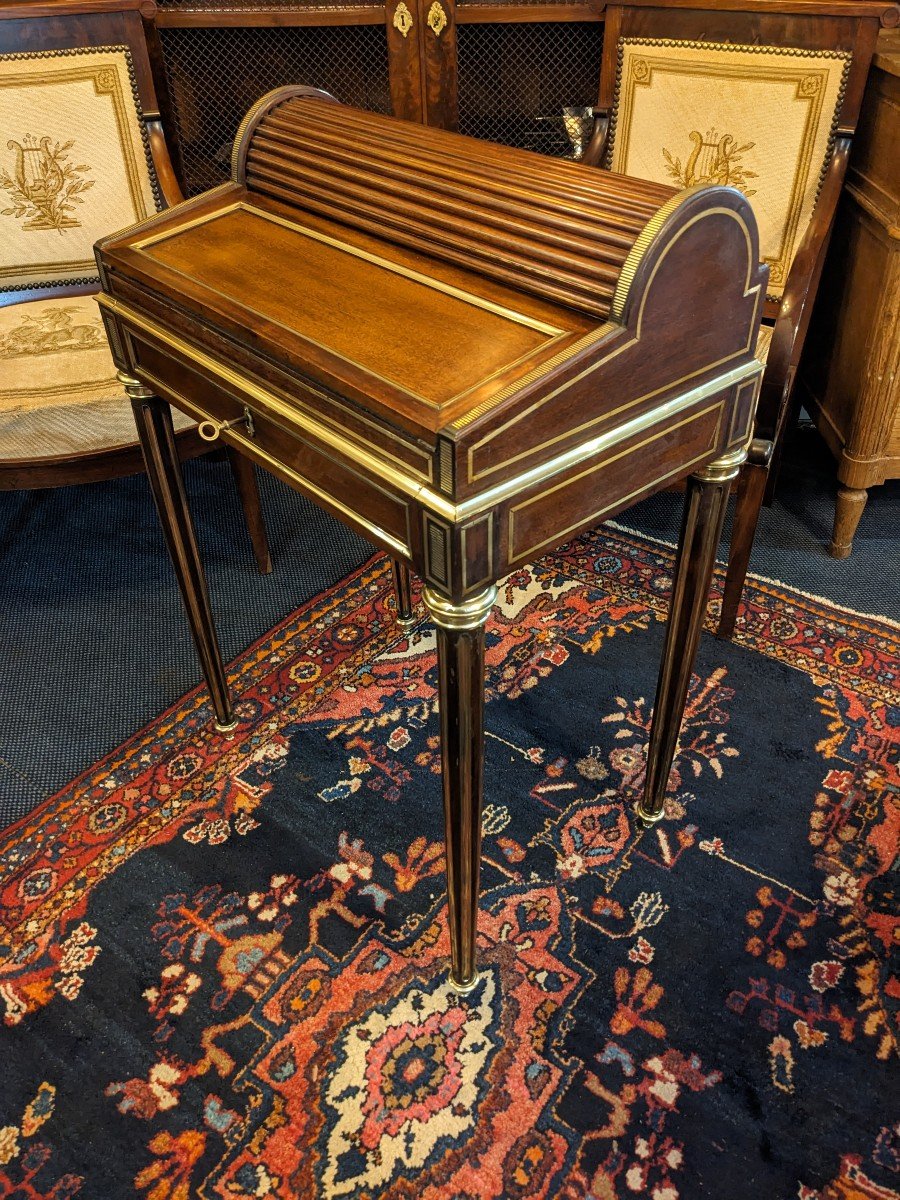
x: 403, y: 18
x: 436, y: 19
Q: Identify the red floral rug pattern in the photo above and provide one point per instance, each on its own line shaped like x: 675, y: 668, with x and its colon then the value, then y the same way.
x: 228, y: 958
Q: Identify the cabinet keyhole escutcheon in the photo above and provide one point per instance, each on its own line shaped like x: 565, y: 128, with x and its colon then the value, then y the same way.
x: 403, y: 18
x: 436, y: 19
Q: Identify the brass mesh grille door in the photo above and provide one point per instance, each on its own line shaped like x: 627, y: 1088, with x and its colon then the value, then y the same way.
x: 517, y: 79
x: 214, y: 75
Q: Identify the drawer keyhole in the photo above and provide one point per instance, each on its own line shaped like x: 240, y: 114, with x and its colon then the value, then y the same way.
x: 211, y: 430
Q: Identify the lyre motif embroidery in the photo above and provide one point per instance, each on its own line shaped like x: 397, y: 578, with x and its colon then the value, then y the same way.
x: 44, y: 186
x: 713, y: 159
x: 51, y: 331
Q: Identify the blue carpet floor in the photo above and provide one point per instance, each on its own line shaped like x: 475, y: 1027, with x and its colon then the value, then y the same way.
x: 93, y: 641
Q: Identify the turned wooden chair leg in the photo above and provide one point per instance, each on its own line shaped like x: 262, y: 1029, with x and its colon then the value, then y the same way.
x: 704, y: 514
x: 406, y: 618
x: 847, y: 512
x: 748, y: 504
x: 154, y: 424
x: 245, y: 480
x: 460, y: 640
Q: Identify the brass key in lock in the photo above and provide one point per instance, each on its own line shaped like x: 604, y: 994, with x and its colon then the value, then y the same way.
x: 211, y: 430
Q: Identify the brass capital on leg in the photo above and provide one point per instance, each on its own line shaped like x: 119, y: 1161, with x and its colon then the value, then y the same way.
x: 133, y: 387
x: 460, y: 638
x: 701, y: 528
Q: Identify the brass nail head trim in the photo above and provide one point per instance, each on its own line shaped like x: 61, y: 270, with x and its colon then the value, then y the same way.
x: 468, y: 614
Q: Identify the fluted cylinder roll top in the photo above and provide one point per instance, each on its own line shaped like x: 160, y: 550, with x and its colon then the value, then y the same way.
x: 558, y: 230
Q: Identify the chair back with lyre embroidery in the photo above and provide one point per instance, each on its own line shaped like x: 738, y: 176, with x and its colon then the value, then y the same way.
x: 75, y: 155
x: 751, y: 95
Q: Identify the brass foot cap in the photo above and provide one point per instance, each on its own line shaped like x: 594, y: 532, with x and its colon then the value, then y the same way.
x: 407, y: 624
x: 463, y: 989
x: 647, y: 818
x: 228, y: 729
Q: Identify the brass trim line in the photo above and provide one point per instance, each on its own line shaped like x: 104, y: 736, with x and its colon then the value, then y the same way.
x: 298, y: 422
x: 640, y: 247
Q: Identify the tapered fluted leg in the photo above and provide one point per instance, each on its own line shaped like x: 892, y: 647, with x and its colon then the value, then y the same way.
x: 154, y: 423
x: 704, y: 512
x: 460, y: 637
x: 747, y: 507
x: 244, y: 474
x: 403, y: 594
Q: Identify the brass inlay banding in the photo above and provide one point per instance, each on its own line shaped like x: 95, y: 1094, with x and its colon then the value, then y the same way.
x: 644, y: 240
x: 298, y: 422
x: 559, y: 535
x: 637, y: 325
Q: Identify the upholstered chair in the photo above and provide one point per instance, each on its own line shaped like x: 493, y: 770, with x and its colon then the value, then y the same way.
x: 81, y: 155
x: 761, y: 95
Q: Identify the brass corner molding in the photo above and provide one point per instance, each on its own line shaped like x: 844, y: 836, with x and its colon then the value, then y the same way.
x: 133, y: 387
x: 724, y: 468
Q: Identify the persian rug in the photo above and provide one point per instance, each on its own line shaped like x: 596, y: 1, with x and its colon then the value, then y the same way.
x: 223, y: 963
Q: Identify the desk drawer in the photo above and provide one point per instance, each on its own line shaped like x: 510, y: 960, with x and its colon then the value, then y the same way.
x: 307, y: 463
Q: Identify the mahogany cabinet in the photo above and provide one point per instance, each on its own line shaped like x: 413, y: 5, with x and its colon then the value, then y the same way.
x: 502, y: 71
x: 850, y: 374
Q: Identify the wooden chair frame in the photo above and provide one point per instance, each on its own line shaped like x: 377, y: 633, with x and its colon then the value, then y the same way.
x: 849, y: 25
x: 61, y: 25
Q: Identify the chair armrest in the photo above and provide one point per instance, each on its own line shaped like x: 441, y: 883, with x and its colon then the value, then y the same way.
x: 596, y: 147
x: 165, y: 172
x: 798, y: 297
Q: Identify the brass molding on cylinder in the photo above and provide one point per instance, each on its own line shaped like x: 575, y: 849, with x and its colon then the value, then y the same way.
x: 724, y: 468
x: 402, y: 21
x: 133, y: 387
x: 436, y: 19
x: 470, y: 613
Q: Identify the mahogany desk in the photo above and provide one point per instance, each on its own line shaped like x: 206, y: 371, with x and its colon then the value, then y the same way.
x: 466, y: 352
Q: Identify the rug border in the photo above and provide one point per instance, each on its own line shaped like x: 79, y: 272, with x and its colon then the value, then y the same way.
x: 757, y: 577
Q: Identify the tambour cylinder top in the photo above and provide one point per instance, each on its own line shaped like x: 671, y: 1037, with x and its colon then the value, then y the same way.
x: 558, y: 230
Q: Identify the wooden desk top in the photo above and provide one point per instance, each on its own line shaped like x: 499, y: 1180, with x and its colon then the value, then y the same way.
x: 328, y: 310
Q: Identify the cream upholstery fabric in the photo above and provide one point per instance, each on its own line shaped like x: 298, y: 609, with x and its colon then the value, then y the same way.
x: 763, y: 342
x: 58, y: 389
x: 74, y: 163
x: 759, y: 118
